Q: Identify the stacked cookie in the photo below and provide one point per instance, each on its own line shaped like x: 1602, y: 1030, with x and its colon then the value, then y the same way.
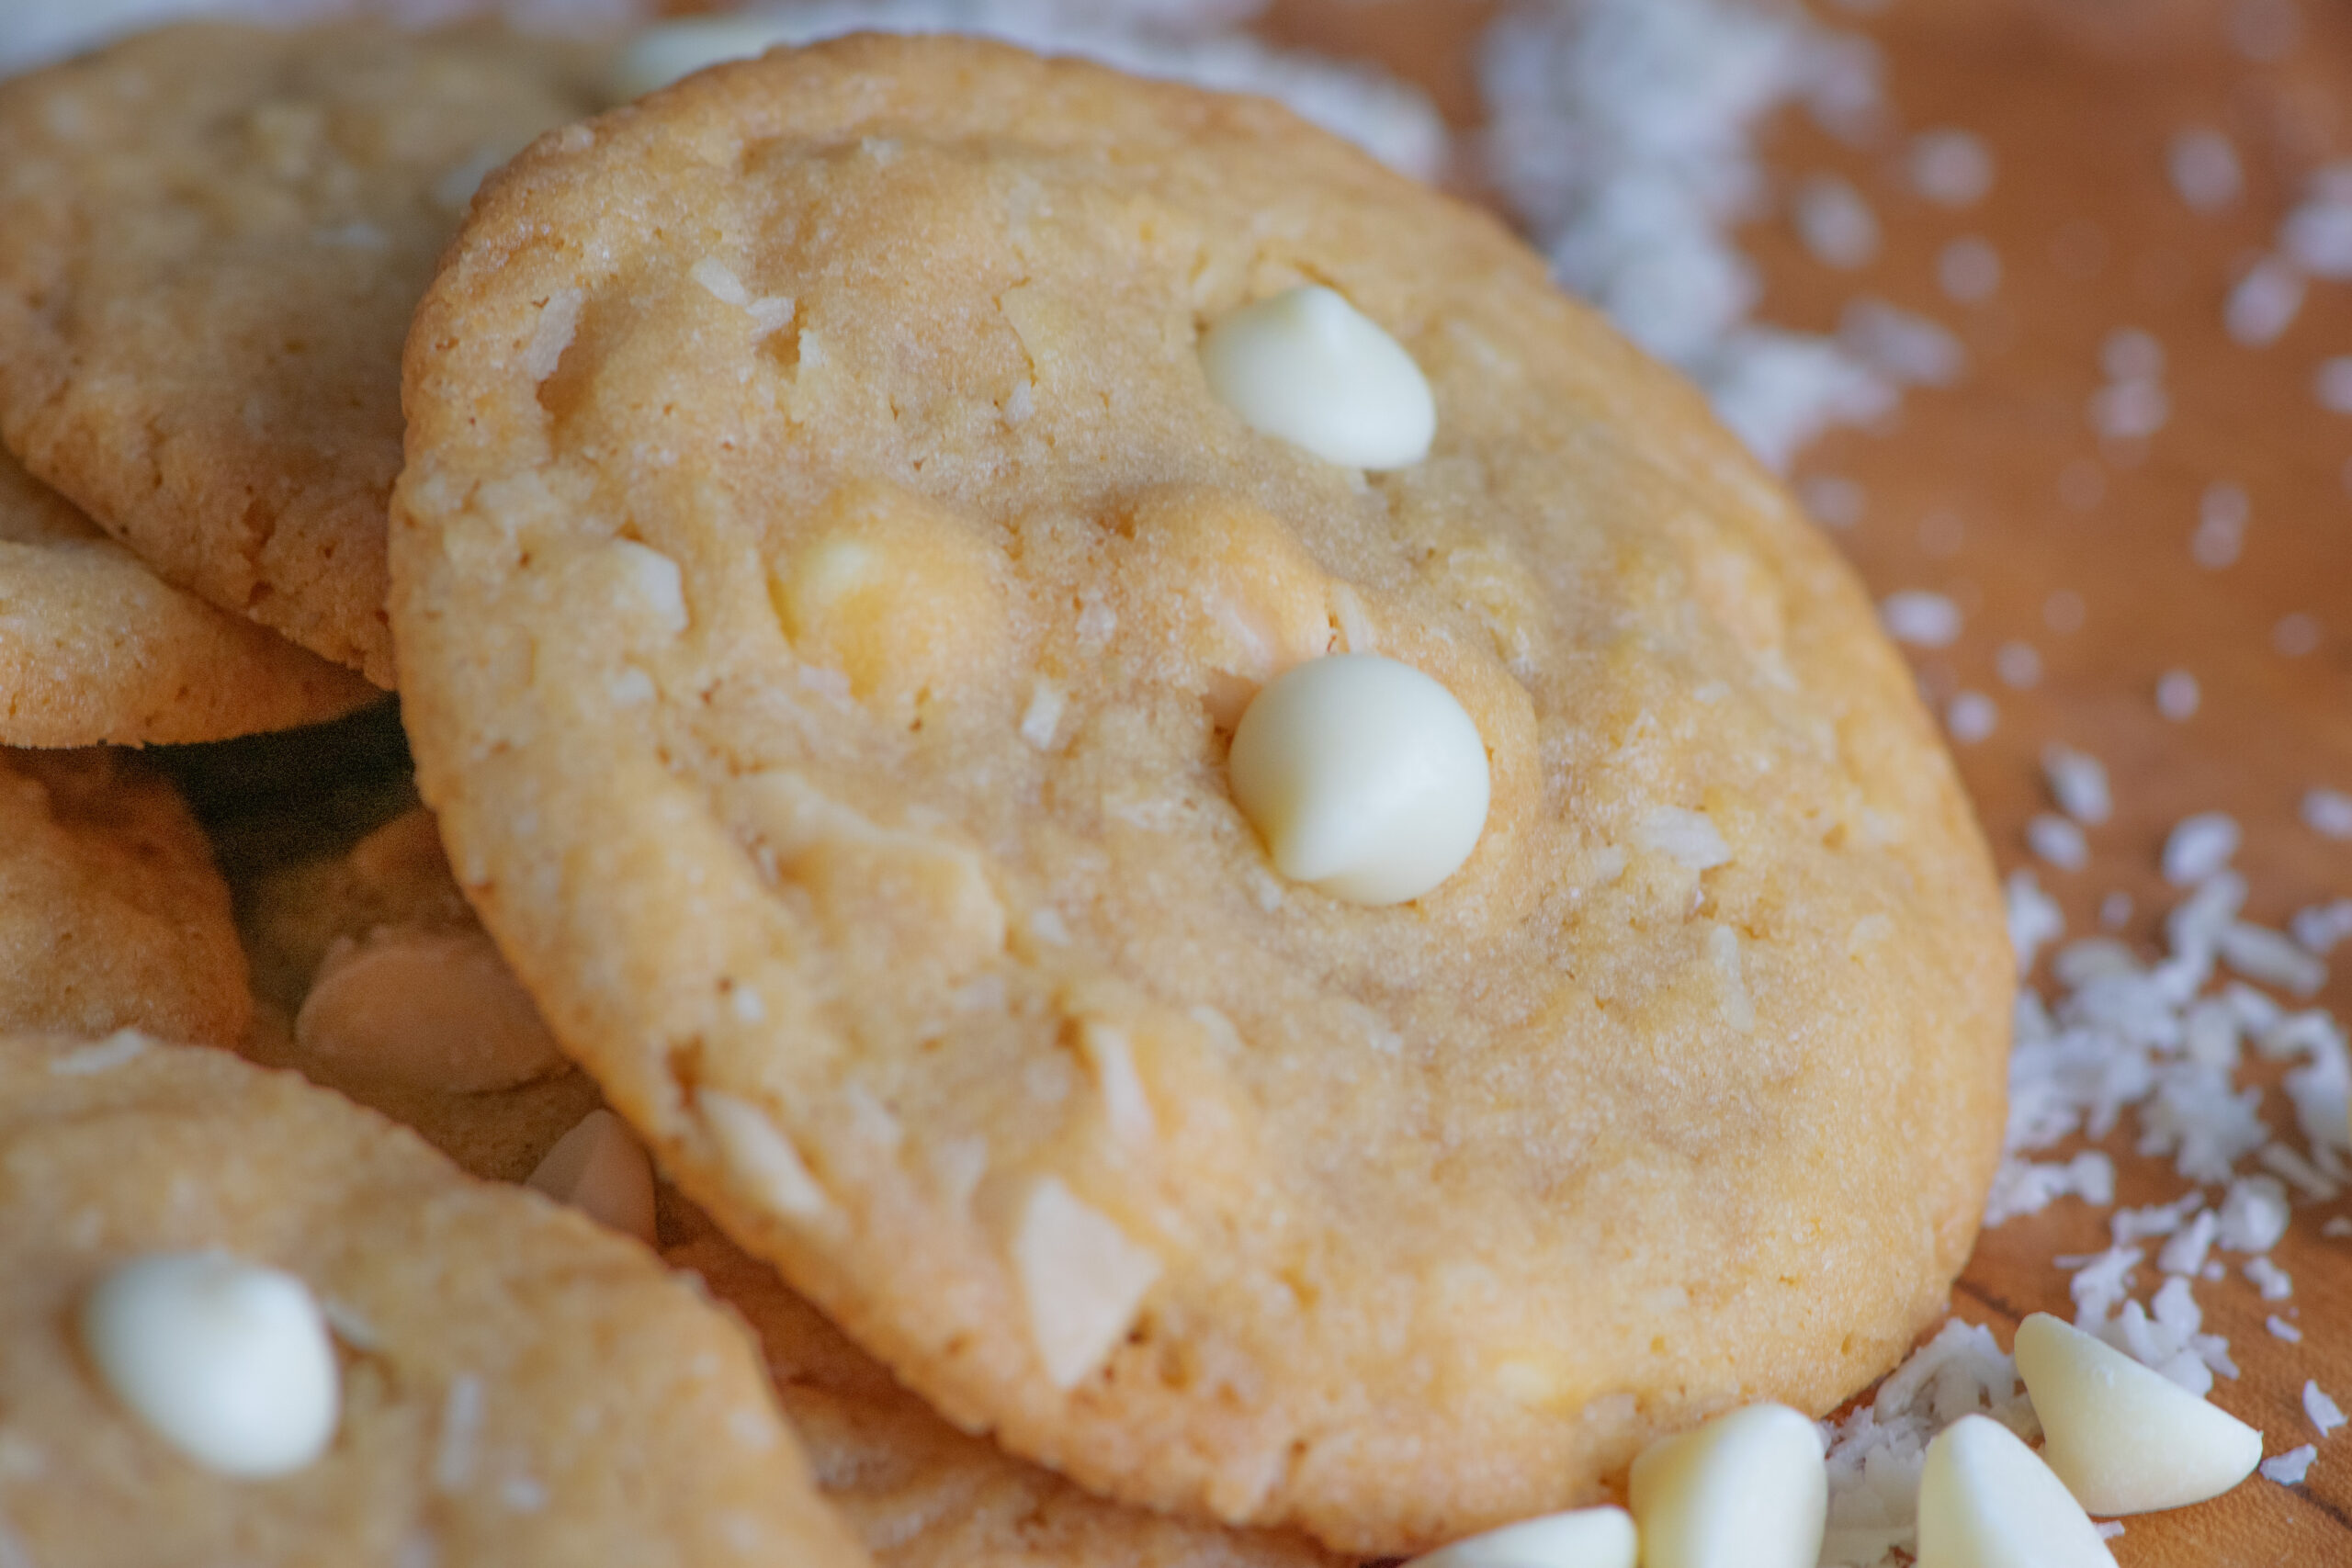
x: 1250, y: 852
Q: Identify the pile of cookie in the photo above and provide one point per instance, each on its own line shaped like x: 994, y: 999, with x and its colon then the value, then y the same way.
x: 1079, y: 754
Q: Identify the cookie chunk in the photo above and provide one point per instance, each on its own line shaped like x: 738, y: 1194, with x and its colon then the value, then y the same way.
x: 111, y: 913
x: 516, y: 1386
x: 826, y: 580
x: 210, y: 241
x: 374, y: 978
x: 96, y: 650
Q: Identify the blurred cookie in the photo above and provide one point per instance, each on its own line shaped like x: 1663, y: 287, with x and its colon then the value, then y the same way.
x: 111, y: 913
x: 211, y: 237
x: 96, y: 650
x: 509, y: 1384
x: 852, y: 499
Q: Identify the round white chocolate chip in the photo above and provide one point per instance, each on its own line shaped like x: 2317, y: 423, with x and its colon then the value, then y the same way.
x: 228, y: 1361
x: 1746, y: 1490
x: 1588, y: 1538
x: 1986, y: 1502
x: 601, y: 1170
x: 2124, y: 1439
x: 661, y: 55
x: 1309, y: 368
x: 425, y: 1009
x: 1366, y: 777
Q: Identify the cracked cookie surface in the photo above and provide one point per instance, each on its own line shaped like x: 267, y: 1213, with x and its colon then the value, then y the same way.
x: 824, y: 584
x: 211, y: 237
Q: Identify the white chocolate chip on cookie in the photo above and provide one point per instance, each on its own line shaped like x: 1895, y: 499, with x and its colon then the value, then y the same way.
x: 228, y: 1361
x: 1746, y: 1490
x: 1309, y: 368
x: 2124, y: 1438
x: 601, y: 1170
x: 1986, y: 1502
x: 1366, y: 777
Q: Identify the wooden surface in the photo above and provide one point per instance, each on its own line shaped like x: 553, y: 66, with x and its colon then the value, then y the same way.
x: 2078, y: 101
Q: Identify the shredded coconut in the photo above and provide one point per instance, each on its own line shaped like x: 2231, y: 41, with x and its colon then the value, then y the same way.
x: 2204, y: 167
x: 2332, y: 384
x: 2078, y: 784
x: 2321, y: 1410
x: 1621, y: 132
x: 1836, y: 224
x: 1920, y: 618
x: 2059, y: 841
x: 2177, y: 696
x: 2199, y: 847
x: 1968, y: 270
x: 1952, y: 168
x: 2265, y: 303
x: 2290, y: 1468
x: 1971, y: 717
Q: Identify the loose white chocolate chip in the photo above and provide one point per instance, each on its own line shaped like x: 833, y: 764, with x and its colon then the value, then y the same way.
x: 2125, y: 1438
x: 228, y: 1362
x: 1746, y: 1490
x: 426, y: 1010
x: 601, y: 1170
x: 1084, y: 1280
x: 1588, y: 1538
x: 1986, y: 1502
x: 1366, y: 777
x: 1309, y: 368
x: 659, y: 56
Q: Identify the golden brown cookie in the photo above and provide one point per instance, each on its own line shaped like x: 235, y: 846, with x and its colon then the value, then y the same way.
x: 111, y: 913
x: 823, y: 578
x: 210, y: 241
x: 96, y: 650
x: 516, y: 1385
x: 917, y: 1491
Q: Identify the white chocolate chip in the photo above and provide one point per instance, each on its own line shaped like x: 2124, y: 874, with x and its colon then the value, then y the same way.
x: 601, y: 1170
x: 1309, y: 368
x: 1746, y: 1490
x: 661, y: 55
x: 2124, y: 1439
x: 428, y: 1010
x: 228, y: 1362
x: 1588, y: 1538
x: 1083, y: 1280
x: 1364, y: 776
x: 763, y: 1157
x: 1986, y: 1502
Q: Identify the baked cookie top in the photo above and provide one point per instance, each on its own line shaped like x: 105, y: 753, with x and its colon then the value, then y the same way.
x: 96, y: 650
x: 516, y: 1384
x: 824, y: 578
x: 211, y: 237
x: 112, y: 915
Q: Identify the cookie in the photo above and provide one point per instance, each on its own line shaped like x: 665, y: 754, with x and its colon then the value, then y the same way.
x: 516, y: 1386
x: 211, y: 237
x: 111, y: 913
x: 825, y: 580
x: 95, y: 651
